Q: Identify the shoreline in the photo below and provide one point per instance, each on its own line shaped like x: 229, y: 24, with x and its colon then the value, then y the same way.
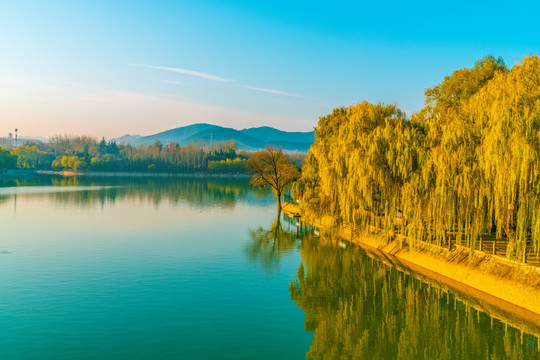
x: 136, y: 174
x: 506, y: 290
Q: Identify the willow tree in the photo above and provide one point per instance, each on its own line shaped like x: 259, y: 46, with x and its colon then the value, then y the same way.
x: 484, y: 153
x: 271, y: 168
x: 362, y: 157
x: 507, y: 111
x: 466, y: 165
x: 447, y: 199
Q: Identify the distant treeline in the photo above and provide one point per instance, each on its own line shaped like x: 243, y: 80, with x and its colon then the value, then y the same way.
x: 466, y: 165
x: 85, y: 153
x: 81, y: 153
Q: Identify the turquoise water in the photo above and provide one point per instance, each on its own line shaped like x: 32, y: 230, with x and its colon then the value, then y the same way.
x: 196, y: 268
x: 149, y: 269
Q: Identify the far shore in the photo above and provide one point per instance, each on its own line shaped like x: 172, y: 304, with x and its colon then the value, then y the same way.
x: 137, y: 174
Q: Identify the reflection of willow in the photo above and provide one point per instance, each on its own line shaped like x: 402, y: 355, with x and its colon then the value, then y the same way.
x: 359, y: 308
x: 269, y: 245
x: 196, y: 191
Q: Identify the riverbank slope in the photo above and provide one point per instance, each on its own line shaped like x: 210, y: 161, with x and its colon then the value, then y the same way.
x: 507, y: 284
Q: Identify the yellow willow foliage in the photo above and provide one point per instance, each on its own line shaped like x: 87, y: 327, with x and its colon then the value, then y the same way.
x: 507, y: 113
x: 451, y: 205
x: 466, y: 165
x: 364, y: 154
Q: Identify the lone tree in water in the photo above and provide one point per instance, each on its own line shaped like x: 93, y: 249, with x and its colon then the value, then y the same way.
x: 272, y: 169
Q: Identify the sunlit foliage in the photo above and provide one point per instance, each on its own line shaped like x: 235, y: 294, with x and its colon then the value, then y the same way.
x: 467, y: 164
x: 237, y: 165
x: 271, y: 168
x: 30, y: 157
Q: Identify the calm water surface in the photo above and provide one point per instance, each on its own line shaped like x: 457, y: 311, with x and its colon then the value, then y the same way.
x: 195, y: 268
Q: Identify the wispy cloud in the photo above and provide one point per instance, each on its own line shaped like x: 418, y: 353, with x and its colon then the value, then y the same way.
x: 271, y: 91
x: 213, y: 77
x: 185, y: 71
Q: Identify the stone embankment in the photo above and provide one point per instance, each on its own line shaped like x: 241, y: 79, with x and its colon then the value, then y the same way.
x: 508, y: 286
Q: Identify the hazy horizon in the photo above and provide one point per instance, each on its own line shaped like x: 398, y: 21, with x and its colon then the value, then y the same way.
x: 12, y: 132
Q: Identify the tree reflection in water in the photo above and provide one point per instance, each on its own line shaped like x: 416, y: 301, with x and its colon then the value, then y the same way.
x: 197, y: 191
x: 269, y: 245
x: 359, y: 308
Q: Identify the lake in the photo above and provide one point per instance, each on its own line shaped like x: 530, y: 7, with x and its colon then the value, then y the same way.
x: 201, y: 268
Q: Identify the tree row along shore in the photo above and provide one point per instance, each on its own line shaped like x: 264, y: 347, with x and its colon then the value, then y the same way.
x: 462, y: 171
x: 80, y: 153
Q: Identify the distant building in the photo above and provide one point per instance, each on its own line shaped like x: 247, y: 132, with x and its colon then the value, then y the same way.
x: 10, y: 142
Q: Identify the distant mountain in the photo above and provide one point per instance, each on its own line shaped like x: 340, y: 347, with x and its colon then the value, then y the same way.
x: 220, y: 134
x: 174, y: 135
x: 127, y: 139
x: 270, y: 134
x: 248, y: 139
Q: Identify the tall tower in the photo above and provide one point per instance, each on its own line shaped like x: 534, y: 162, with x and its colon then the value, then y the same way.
x: 16, y: 137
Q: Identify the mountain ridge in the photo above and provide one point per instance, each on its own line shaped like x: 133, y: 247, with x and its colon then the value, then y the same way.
x: 250, y: 139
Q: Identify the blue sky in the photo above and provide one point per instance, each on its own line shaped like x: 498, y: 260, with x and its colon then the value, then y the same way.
x: 107, y: 68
